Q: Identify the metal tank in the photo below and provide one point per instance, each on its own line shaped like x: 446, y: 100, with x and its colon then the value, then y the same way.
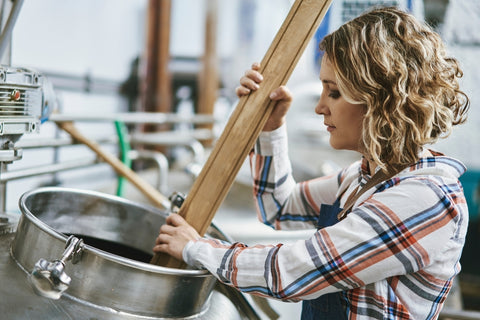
x: 80, y: 254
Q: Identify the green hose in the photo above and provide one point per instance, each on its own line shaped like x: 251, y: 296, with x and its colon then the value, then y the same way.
x: 124, y: 145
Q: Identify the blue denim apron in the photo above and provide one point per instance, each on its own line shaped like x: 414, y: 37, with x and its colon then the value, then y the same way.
x: 329, y: 306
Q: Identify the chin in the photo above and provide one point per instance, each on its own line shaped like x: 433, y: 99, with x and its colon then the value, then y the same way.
x: 337, y: 145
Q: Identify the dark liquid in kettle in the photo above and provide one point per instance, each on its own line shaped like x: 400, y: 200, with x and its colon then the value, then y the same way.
x: 118, y: 249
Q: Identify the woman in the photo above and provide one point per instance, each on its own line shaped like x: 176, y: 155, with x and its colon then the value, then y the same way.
x: 393, y: 251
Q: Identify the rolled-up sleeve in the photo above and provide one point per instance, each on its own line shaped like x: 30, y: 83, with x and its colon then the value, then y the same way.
x: 281, y: 202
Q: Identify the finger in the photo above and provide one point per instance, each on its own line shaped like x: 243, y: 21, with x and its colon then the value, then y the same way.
x: 167, y: 229
x: 160, y: 248
x: 172, y: 251
x: 256, y: 66
x: 281, y: 93
x: 247, y: 86
x: 253, y: 75
x: 163, y: 239
x: 170, y: 245
x: 249, y: 83
x: 242, y: 91
x: 175, y: 220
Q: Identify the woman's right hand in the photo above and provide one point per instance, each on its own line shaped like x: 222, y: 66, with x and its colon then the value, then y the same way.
x: 251, y: 82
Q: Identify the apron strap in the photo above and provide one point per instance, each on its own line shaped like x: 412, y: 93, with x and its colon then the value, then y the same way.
x: 377, y: 178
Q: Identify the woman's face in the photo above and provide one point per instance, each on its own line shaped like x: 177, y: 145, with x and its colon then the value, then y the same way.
x: 343, y: 119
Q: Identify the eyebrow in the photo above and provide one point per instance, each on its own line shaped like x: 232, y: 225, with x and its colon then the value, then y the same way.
x: 329, y: 82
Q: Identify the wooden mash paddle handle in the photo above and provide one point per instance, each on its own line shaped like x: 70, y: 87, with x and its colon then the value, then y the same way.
x: 150, y: 192
x: 248, y: 119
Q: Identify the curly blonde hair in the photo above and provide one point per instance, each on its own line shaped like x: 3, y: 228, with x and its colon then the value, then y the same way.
x: 396, y: 66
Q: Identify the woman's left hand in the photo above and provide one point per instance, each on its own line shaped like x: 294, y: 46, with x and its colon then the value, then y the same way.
x: 251, y: 82
x: 174, y: 236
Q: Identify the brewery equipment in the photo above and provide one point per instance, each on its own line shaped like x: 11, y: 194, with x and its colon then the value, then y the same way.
x: 86, y: 253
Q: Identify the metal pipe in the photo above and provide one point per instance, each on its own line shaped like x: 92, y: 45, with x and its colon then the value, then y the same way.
x: 58, y: 142
x: 3, y: 189
x: 2, y: 13
x: 8, y: 28
x: 136, y: 118
x: 160, y: 160
x: 172, y: 139
x: 82, y: 83
x: 46, y: 169
x: 198, y: 151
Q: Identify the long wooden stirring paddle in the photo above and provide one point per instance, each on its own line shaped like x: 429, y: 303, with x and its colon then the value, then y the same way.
x: 250, y: 115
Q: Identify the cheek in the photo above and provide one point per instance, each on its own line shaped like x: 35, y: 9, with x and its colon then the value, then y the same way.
x: 354, y: 123
x: 359, y: 124
x: 351, y: 120
x: 358, y: 115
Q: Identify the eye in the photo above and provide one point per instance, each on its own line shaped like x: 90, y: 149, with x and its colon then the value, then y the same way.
x: 334, y: 94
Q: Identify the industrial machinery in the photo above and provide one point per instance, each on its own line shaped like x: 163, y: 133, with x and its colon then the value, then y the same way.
x: 26, y: 100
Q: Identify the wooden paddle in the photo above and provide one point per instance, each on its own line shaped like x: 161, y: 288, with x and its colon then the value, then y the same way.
x: 212, y: 185
x: 150, y: 192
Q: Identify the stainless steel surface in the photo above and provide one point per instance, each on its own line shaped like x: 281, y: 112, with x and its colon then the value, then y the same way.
x: 108, y: 279
x: 20, y: 302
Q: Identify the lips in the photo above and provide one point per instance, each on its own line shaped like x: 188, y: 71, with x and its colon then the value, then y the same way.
x: 330, y: 128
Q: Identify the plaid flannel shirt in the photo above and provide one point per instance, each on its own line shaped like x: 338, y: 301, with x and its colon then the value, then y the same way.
x: 393, y: 257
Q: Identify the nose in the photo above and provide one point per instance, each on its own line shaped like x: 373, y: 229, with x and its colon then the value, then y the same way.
x: 321, y: 108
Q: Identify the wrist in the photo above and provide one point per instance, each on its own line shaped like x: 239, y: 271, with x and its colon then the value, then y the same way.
x: 269, y: 142
x: 188, y: 258
x: 273, y: 125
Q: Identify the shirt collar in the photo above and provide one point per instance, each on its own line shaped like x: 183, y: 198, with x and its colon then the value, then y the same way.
x: 437, y: 162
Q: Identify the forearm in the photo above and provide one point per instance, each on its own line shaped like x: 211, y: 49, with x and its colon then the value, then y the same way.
x: 267, y: 270
x: 281, y: 202
x: 272, y: 175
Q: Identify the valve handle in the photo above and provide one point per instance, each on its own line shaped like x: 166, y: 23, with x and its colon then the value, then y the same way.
x: 48, y: 278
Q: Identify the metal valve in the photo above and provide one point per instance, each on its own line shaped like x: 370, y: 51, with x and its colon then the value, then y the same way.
x: 176, y: 201
x: 48, y: 278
